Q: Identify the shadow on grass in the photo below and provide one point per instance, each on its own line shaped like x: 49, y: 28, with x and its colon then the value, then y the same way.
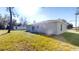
x: 67, y: 37
x: 3, y: 34
x: 49, y: 36
x: 72, y: 38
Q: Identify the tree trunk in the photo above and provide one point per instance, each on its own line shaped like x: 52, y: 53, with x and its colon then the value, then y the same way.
x: 10, y: 22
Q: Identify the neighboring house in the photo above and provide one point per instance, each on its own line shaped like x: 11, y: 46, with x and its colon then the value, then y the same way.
x: 29, y: 28
x: 49, y: 27
x: 19, y: 27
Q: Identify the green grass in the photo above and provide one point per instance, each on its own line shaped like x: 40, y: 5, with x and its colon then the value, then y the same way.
x: 25, y: 41
x: 72, y: 38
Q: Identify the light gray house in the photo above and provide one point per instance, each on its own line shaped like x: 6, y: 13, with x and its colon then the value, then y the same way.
x: 49, y: 27
x: 19, y: 27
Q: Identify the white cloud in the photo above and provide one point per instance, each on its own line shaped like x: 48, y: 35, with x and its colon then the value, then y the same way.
x: 28, y: 11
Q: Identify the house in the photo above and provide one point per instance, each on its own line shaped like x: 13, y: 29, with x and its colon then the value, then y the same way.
x: 50, y: 27
x: 19, y: 27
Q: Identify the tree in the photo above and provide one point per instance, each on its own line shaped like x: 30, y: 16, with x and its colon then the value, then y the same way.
x: 2, y: 22
x: 70, y: 26
x: 23, y: 20
x: 10, y: 22
x: 10, y: 9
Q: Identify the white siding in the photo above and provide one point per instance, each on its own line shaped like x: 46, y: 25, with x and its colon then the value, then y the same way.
x: 49, y: 27
x: 64, y: 27
x: 20, y: 27
x: 46, y: 28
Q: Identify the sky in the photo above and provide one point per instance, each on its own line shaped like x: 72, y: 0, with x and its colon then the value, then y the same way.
x: 36, y: 11
x: 38, y: 14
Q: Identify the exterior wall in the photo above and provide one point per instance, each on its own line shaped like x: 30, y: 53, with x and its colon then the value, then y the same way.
x: 20, y: 27
x: 51, y: 28
x: 40, y: 28
x: 29, y: 28
x: 64, y: 27
x: 48, y: 28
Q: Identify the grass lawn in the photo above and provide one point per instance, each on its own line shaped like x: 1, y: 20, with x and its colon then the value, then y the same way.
x: 71, y: 37
x: 25, y: 41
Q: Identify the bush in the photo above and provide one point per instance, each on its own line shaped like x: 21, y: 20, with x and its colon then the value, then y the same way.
x: 69, y: 26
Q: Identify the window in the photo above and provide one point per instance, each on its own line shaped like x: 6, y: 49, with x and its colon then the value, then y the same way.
x: 61, y: 27
x: 33, y: 27
x: 37, y: 26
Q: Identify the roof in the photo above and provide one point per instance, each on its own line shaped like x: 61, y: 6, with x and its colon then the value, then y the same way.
x: 58, y: 20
